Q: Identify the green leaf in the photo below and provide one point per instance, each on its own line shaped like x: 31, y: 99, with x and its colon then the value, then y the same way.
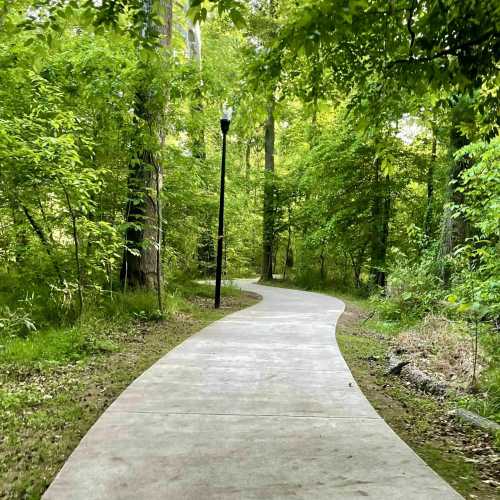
x: 237, y: 18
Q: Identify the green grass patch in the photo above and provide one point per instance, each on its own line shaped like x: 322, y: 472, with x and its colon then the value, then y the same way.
x: 61, y: 345
x: 461, y: 474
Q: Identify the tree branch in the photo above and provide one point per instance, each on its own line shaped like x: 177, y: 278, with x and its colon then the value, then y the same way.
x: 409, y: 23
x: 452, y: 51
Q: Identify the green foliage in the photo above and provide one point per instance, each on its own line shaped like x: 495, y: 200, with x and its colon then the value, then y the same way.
x: 477, y: 285
x: 15, y: 323
x: 72, y: 129
x: 415, y: 290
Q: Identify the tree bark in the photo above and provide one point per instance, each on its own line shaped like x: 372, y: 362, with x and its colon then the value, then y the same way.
x: 166, y: 13
x: 288, y: 259
x: 141, y: 265
x: 454, y: 228
x: 268, y: 214
x: 248, y: 165
x: 193, y: 52
x: 380, y: 215
x: 428, y: 222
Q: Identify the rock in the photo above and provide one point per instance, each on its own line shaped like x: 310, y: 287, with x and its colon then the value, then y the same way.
x: 475, y: 420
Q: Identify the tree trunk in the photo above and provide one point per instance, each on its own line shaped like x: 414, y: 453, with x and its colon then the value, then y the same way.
x: 193, y: 41
x: 380, y: 215
x: 268, y: 215
x: 248, y: 165
x: 454, y: 229
x: 428, y: 225
x: 322, y: 275
x: 166, y: 13
x: 288, y: 259
x: 193, y: 52
x: 141, y: 266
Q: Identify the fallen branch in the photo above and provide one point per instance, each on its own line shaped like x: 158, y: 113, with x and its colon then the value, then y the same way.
x: 396, y: 364
x: 418, y: 378
x: 476, y: 420
x: 423, y: 381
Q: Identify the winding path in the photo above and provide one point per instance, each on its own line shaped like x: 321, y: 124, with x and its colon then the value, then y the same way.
x: 258, y: 405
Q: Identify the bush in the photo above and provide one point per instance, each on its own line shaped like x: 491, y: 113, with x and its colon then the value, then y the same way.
x: 412, y: 292
x: 15, y: 323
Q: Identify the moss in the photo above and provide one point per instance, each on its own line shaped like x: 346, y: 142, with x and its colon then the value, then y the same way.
x: 460, y: 474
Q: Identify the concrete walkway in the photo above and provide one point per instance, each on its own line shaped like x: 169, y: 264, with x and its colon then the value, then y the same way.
x: 258, y: 405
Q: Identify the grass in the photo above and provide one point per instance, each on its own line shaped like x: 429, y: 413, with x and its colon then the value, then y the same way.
x: 55, y: 383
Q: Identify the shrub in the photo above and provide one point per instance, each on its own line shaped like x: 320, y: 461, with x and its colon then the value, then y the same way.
x: 15, y: 323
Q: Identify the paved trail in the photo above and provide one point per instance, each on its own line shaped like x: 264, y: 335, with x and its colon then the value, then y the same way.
x: 259, y: 405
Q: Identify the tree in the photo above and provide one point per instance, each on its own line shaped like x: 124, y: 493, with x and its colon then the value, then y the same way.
x: 141, y: 265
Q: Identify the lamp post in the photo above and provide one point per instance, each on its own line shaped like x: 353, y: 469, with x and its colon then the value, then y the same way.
x: 224, y: 126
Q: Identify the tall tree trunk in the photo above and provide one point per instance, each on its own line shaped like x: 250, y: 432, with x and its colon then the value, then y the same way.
x: 248, y: 165
x: 380, y: 215
x: 454, y: 228
x: 428, y: 225
x: 315, y: 82
x: 288, y: 258
x: 193, y: 52
x: 166, y: 14
x: 268, y: 215
x: 193, y: 41
x: 140, y: 259
x: 322, y: 274
x: 141, y: 265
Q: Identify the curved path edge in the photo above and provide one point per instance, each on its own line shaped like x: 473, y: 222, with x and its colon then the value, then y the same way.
x: 257, y: 405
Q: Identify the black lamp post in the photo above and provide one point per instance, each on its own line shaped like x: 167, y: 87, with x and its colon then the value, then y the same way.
x: 224, y: 126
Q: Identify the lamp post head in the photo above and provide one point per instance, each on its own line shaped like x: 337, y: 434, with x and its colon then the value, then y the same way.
x: 227, y: 113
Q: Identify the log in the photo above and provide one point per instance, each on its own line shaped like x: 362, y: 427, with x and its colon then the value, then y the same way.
x: 418, y: 378
x: 396, y: 364
x: 423, y: 381
x: 475, y: 420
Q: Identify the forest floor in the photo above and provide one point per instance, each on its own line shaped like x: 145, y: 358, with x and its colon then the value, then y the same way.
x: 48, y: 402
x: 465, y: 457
